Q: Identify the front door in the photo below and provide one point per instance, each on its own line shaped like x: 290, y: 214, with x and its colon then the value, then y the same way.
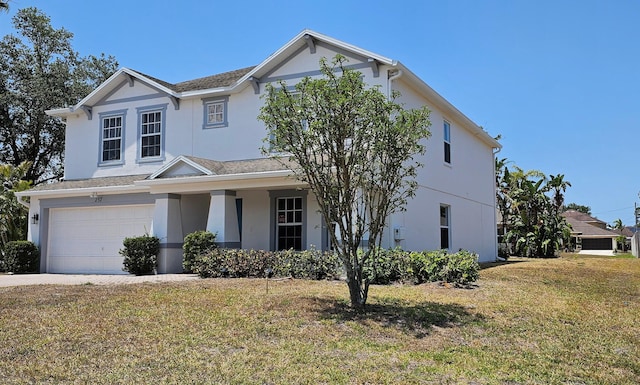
x: 289, y: 223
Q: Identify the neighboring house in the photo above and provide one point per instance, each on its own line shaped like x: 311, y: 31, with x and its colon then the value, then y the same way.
x: 147, y: 156
x: 590, y: 235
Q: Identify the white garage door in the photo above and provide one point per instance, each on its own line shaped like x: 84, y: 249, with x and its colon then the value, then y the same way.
x: 87, y: 240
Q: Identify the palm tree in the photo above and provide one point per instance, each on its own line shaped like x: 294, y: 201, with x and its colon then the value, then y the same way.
x: 559, y: 186
x: 4, y: 6
x: 617, y: 224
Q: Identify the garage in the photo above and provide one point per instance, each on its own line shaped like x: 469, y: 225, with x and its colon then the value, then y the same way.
x: 86, y: 240
x: 597, y: 244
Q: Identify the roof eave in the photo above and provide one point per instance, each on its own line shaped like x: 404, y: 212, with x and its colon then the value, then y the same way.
x: 298, y: 41
x: 82, y: 191
x: 448, y: 108
x: 214, y: 178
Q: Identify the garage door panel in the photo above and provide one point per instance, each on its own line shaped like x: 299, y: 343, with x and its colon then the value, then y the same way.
x: 88, y: 240
x: 597, y: 244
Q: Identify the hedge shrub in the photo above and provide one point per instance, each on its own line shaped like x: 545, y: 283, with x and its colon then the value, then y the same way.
x: 196, y: 244
x: 430, y: 266
x: 20, y: 257
x: 385, y: 267
x: 308, y: 264
x: 140, y: 254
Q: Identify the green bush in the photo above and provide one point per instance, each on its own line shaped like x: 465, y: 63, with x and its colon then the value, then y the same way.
x: 387, y: 266
x: 430, y: 266
x: 20, y: 257
x: 140, y: 254
x: 196, y: 244
x: 308, y: 264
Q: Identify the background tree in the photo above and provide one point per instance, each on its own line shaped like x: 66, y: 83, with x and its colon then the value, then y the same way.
x: 355, y: 149
x: 4, y: 6
x: 530, y: 204
x: 13, y: 215
x: 580, y: 208
x: 618, y: 226
x: 39, y: 71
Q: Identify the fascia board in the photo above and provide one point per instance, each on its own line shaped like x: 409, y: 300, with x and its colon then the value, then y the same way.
x: 214, y: 178
x: 447, y: 107
x: 62, y: 112
x: 208, y: 92
x: 298, y: 41
x: 152, y: 83
x: 82, y: 191
x: 99, y: 89
x: 259, y: 180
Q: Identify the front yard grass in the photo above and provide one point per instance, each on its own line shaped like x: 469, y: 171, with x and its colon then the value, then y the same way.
x: 554, y: 321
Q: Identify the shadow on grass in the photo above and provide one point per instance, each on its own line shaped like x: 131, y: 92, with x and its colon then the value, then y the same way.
x: 409, y: 317
x: 511, y: 261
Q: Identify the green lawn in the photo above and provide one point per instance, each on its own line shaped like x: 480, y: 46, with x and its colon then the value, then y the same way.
x: 571, y: 320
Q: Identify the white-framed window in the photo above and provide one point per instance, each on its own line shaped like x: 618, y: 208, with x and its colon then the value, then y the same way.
x: 289, y: 223
x: 215, y: 112
x: 447, y: 142
x: 445, y: 228
x: 151, y: 128
x: 112, y: 126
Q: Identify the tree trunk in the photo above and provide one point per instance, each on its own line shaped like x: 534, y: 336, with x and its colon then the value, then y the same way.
x: 358, y: 300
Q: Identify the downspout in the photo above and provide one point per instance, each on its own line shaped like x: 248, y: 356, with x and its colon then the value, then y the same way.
x: 391, y: 78
x: 495, y: 202
x: 25, y: 204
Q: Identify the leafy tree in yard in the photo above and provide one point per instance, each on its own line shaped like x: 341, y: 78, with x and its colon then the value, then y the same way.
x: 355, y: 149
x: 13, y: 215
x: 39, y: 70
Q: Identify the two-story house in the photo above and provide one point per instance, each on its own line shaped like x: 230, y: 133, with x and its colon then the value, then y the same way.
x: 146, y: 156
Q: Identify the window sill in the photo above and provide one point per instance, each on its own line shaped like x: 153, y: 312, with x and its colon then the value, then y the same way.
x: 213, y: 126
x: 150, y: 160
x: 111, y: 163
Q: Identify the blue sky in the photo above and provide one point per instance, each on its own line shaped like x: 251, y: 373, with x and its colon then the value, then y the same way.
x: 558, y: 80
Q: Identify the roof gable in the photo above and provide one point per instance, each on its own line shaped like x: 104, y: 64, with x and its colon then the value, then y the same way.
x: 235, y: 81
x: 181, y: 166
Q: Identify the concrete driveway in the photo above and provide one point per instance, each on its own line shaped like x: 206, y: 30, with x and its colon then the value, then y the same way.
x: 81, y: 279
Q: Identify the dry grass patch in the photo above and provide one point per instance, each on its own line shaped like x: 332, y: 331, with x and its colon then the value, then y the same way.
x: 560, y: 321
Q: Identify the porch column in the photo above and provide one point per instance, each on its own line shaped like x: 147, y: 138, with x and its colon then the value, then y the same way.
x: 223, y: 218
x: 167, y: 226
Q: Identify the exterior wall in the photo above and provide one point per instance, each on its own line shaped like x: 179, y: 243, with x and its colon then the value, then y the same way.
x: 194, y: 210
x: 255, y: 219
x: 465, y: 185
x: 183, y: 132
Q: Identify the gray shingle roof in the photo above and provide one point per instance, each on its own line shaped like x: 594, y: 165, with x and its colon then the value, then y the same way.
x: 91, y: 182
x: 217, y: 167
x: 587, y: 230
x: 224, y: 79
x: 241, y: 166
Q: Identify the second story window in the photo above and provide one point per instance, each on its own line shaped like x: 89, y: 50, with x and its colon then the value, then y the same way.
x: 111, y: 137
x: 447, y: 142
x: 215, y: 112
x: 151, y: 131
